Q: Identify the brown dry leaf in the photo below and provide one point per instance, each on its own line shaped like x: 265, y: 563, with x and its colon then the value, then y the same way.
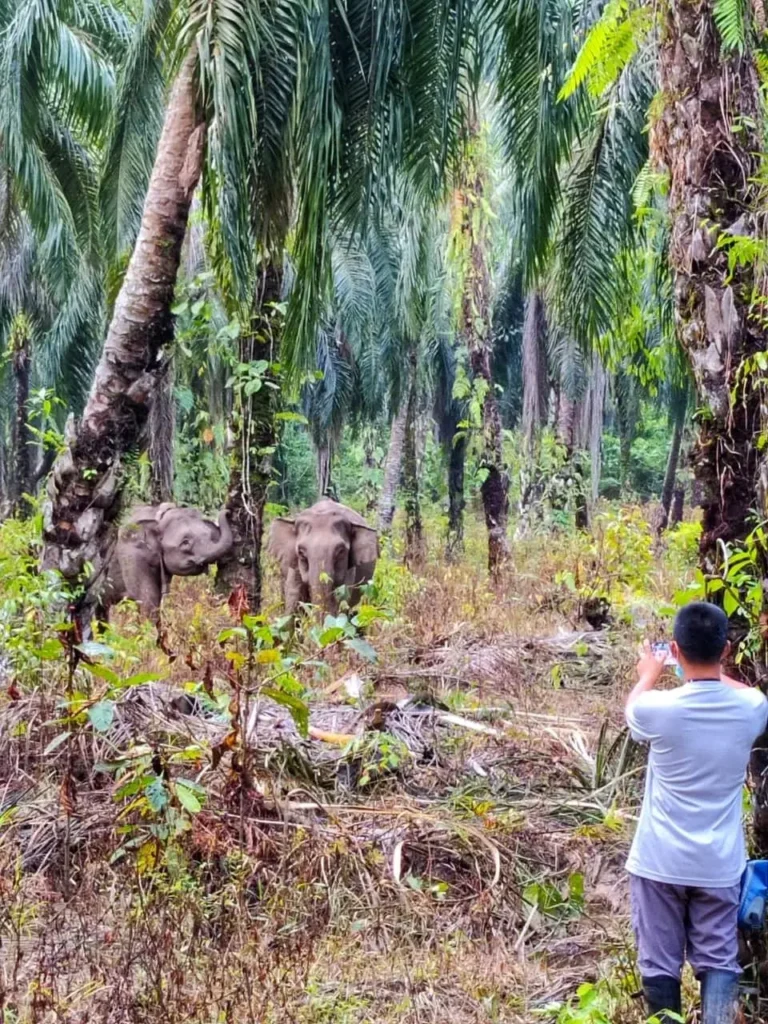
x: 238, y: 601
x: 68, y: 795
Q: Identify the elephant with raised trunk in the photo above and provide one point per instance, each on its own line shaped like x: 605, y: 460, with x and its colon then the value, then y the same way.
x: 158, y: 542
x: 325, y: 547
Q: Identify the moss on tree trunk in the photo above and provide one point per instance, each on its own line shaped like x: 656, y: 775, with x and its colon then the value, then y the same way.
x: 240, y: 576
x: 707, y: 137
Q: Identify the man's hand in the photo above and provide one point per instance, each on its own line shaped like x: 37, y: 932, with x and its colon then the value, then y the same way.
x: 650, y: 668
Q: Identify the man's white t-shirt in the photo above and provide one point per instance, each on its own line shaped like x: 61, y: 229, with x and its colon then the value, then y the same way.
x: 690, y: 830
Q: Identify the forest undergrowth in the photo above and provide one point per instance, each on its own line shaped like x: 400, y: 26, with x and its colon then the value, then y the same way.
x: 417, y: 812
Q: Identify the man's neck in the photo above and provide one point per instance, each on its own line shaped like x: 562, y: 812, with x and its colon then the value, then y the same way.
x: 702, y: 673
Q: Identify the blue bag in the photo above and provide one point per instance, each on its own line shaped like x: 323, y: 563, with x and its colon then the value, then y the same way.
x: 754, y: 896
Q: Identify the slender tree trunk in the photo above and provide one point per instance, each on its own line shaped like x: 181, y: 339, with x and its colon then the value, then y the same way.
x: 597, y: 388
x: 566, y: 432
x: 414, y: 529
x: 4, y: 499
x: 476, y: 328
x: 670, y: 474
x: 22, y: 440
x: 369, y: 446
x: 678, y: 505
x: 323, y: 464
x: 456, y: 502
x: 709, y: 138
x: 393, y: 466
x: 627, y: 408
x: 161, y: 431
x: 84, y: 489
x: 535, y: 378
x: 566, y: 422
x: 240, y: 576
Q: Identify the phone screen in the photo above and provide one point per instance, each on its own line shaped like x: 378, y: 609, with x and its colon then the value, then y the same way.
x: 659, y: 648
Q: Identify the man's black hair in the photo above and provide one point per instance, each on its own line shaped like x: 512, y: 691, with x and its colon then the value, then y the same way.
x: 701, y: 632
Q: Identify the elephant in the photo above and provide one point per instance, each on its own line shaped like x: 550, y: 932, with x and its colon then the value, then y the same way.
x: 156, y: 543
x: 325, y: 547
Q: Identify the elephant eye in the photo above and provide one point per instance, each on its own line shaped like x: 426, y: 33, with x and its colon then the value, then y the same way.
x: 303, y: 558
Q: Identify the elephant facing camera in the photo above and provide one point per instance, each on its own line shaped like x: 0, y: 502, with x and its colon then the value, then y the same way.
x: 326, y: 554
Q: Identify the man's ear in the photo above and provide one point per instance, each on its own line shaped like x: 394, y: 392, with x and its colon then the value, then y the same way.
x: 726, y: 651
x: 674, y: 650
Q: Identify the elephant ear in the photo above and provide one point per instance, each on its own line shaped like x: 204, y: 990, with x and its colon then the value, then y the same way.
x: 365, y: 546
x: 282, y: 543
x: 142, y: 533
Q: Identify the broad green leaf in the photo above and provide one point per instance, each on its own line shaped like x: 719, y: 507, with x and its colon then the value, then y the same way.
x: 188, y: 796
x: 107, y: 674
x: 133, y: 786
x: 362, y: 647
x: 253, y: 621
x: 102, y: 715
x: 730, y: 603
x: 93, y: 649
x: 297, y: 707
x: 50, y: 651
x: 330, y: 636
x: 142, y: 677
x: 227, y: 634
x: 157, y: 794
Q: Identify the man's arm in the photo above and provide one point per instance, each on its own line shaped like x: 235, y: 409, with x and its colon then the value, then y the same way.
x: 649, y: 670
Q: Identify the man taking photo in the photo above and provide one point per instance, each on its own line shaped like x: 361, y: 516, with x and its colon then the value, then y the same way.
x: 688, y: 854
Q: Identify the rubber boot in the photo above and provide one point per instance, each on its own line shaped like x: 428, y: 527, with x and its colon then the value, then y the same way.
x: 662, y: 993
x: 719, y: 997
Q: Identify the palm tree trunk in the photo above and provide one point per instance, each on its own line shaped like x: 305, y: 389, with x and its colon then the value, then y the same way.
x: 323, y: 464
x: 678, y: 505
x: 393, y: 466
x: 708, y: 138
x: 670, y: 474
x: 85, y: 486
x: 240, y: 576
x: 568, y: 418
x: 456, y: 501
x: 627, y: 408
x: 161, y: 431
x: 414, y: 529
x: 535, y: 383
x: 22, y: 440
x: 476, y: 328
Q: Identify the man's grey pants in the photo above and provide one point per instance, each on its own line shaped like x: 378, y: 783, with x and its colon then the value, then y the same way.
x: 672, y: 922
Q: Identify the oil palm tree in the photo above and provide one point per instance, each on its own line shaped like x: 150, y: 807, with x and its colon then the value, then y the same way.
x: 579, y: 168
x: 354, y: 119
x: 57, y: 78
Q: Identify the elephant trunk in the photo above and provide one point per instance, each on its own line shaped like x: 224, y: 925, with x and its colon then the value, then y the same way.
x: 224, y: 545
x: 322, y: 589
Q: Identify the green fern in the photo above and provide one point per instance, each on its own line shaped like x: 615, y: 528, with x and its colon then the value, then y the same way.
x: 731, y: 20
x: 609, y: 46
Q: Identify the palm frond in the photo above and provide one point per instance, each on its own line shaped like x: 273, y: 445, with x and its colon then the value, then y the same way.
x: 609, y: 46
x: 597, y: 215
x: 533, y: 44
x: 134, y: 128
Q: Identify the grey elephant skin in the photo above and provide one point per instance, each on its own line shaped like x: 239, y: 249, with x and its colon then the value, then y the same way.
x: 325, y: 547
x: 156, y: 543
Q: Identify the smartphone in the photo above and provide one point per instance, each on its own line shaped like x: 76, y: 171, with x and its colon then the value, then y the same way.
x: 659, y: 648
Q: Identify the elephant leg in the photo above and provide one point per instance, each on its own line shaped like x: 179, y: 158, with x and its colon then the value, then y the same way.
x: 295, y: 591
x: 149, y: 595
